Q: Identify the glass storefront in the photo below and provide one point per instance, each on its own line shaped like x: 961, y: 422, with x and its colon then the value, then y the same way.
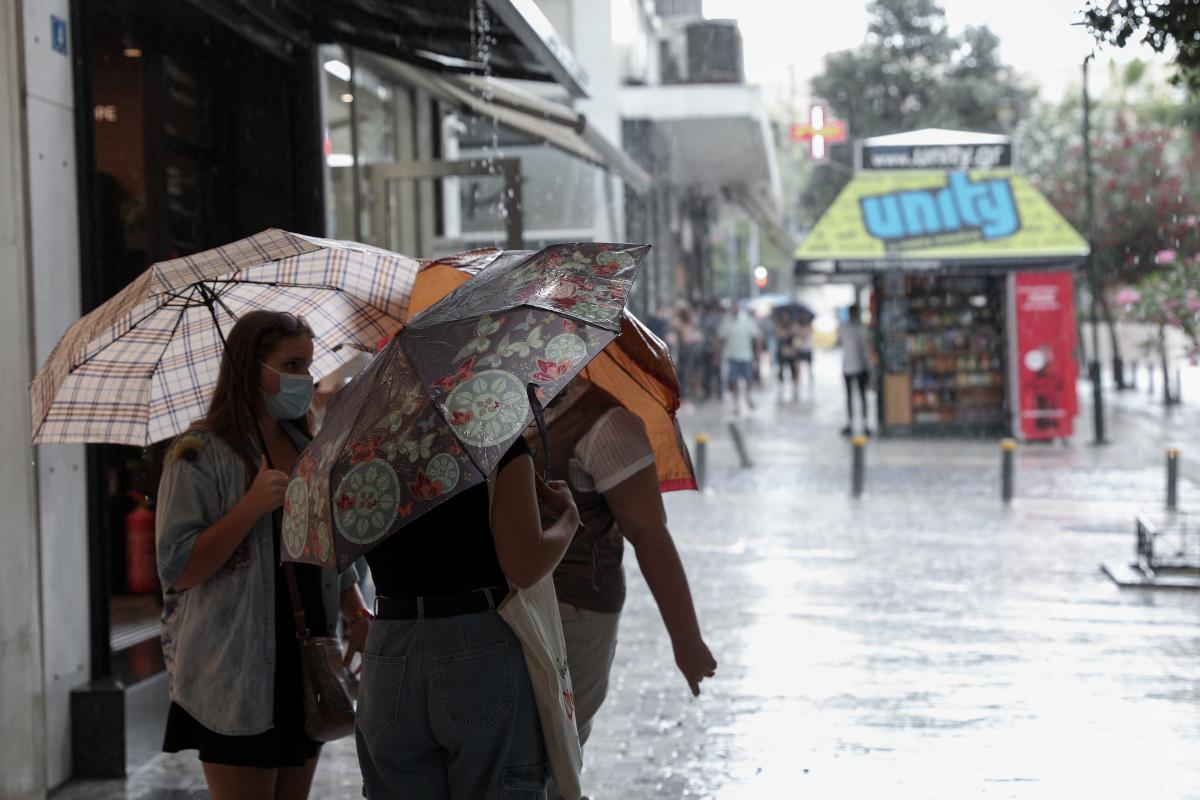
x: 374, y: 123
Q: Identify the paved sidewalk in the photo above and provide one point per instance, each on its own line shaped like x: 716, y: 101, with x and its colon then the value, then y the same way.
x: 923, y: 641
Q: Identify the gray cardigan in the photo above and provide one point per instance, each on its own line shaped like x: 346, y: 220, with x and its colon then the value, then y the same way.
x: 218, y: 637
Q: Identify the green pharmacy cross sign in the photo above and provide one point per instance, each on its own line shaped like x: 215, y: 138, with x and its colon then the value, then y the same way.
x: 883, y: 219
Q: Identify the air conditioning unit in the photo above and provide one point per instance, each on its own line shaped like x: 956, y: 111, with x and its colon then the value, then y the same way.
x: 702, y: 51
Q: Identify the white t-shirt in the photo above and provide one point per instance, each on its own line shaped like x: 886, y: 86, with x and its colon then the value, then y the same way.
x: 856, y: 349
x: 616, y: 448
x: 739, y: 334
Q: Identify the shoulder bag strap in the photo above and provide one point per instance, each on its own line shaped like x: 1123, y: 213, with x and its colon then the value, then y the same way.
x: 302, y: 634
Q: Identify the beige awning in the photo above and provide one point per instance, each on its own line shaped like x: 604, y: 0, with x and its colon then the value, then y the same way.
x: 526, y: 113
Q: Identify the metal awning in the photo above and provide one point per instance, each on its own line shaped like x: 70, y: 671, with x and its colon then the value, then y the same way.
x: 524, y: 112
x: 445, y: 35
x: 707, y: 135
x: 939, y: 221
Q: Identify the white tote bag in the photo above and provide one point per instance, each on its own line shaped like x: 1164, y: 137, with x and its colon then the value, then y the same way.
x: 533, y: 616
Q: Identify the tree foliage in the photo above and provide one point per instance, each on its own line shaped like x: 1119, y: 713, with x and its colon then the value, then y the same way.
x: 911, y: 73
x: 1156, y: 23
x: 1146, y: 175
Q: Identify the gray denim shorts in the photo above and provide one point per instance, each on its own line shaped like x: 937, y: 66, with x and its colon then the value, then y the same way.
x: 446, y: 710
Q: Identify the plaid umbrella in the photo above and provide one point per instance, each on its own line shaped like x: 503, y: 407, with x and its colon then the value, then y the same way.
x: 636, y: 368
x: 141, y: 367
x: 435, y: 411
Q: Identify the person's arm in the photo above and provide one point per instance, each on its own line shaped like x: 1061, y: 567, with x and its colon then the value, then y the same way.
x: 358, y: 621
x: 526, y: 551
x: 636, y: 503
x: 213, y: 546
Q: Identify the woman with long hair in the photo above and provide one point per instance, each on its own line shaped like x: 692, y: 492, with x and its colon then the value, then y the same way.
x: 229, y: 638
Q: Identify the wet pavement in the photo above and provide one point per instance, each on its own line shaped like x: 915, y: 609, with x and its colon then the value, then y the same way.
x: 922, y: 641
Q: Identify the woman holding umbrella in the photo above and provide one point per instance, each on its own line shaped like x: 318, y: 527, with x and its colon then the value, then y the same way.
x: 230, y: 646
x: 438, y: 636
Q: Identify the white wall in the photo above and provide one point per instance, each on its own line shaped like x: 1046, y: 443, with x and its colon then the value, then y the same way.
x: 61, y: 470
x: 592, y: 42
x: 22, y: 755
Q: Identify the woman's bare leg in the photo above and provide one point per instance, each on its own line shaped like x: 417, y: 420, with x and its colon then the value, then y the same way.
x: 294, y: 782
x: 239, y: 783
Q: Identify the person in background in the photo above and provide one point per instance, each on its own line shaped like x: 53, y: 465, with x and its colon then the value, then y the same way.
x: 802, y: 342
x: 788, y: 351
x: 228, y: 637
x: 601, y: 450
x: 690, y: 343
x: 739, y: 346
x: 710, y: 351
x: 856, y: 361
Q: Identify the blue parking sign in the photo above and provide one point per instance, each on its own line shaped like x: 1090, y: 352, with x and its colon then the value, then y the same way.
x: 58, y: 34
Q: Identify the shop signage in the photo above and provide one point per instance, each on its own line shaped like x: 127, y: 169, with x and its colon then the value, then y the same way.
x: 907, y: 219
x: 819, y: 132
x: 941, y: 156
x: 1042, y: 338
x: 965, y: 210
x: 58, y: 34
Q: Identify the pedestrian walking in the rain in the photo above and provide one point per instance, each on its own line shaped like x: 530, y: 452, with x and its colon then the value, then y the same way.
x: 739, y: 343
x: 446, y: 708
x: 710, y: 350
x: 856, y: 362
x: 795, y: 347
x: 601, y: 450
x: 788, y: 351
x: 691, y: 343
x: 228, y: 640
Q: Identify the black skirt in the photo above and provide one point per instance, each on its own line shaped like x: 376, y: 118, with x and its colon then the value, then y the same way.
x: 285, y: 744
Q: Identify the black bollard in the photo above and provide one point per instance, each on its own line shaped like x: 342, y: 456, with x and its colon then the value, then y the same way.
x: 1150, y: 379
x: 701, y: 460
x: 1178, y: 387
x: 857, y: 475
x: 1008, y: 449
x: 740, y: 444
x: 1172, y: 478
x: 1133, y: 374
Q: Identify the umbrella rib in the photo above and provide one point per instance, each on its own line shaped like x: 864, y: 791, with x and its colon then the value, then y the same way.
x: 210, y: 296
x: 276, y: 284
x: 135, y: 325
x: 360, y: 304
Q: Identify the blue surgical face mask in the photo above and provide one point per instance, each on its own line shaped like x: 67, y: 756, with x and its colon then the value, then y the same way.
x: 294, y: 397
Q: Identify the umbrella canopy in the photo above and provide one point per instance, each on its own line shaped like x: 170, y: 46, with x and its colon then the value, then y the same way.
x: 141, y: 367
x: 435, y: 411
x: 636, y: 368
x: 794, y: 311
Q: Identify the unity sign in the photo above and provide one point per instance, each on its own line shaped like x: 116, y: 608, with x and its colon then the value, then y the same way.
x: 936, y: 216
x: 963, y: 211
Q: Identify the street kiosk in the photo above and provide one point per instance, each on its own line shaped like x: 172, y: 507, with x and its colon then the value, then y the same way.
x: 972, y: 270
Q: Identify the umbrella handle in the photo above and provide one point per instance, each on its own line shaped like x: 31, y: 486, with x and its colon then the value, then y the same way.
x: 539, y: 417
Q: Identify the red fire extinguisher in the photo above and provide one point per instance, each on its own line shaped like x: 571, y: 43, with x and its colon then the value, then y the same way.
x: 141, y: 561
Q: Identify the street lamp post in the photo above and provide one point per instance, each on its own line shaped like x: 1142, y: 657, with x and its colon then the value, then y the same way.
x: 1094, y: 361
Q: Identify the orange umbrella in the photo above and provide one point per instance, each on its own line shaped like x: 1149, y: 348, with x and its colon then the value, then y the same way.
x: 635, y: 368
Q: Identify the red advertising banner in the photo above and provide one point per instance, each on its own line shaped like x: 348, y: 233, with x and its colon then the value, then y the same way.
x: 1042, y: 340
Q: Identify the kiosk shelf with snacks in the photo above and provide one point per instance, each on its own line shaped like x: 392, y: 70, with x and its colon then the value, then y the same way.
x: 973, y: 288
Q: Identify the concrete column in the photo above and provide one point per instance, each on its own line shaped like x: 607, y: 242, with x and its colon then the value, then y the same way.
x: 62, y: 530
x: 23, y: 756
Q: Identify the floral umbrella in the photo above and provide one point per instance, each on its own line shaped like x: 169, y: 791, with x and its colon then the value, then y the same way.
x: 636, y: 368
x: 435, y: 411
